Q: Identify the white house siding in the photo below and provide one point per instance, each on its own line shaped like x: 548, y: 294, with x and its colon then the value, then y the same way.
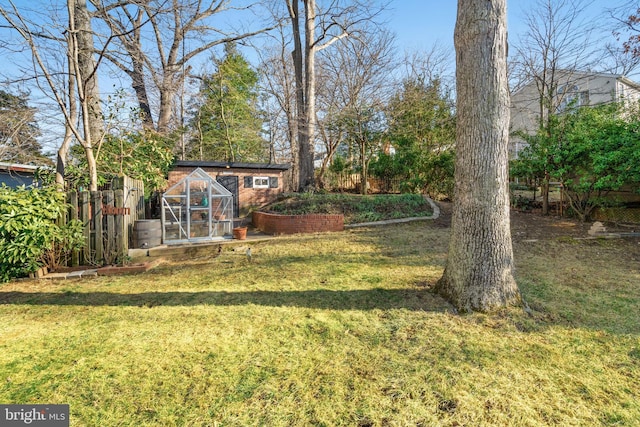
x: 589, y: 88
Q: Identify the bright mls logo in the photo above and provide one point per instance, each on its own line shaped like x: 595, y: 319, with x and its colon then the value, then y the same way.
x: 34, y: 415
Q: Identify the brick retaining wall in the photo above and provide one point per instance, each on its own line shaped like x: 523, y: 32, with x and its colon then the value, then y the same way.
x: 291, y: 224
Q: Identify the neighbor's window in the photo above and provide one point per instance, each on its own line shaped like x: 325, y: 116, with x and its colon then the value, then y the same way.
x: 260, y: 182
x: 572, y: 96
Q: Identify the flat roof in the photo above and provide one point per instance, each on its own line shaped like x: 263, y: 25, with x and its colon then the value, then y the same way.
x: 15, y: 167
x: 230, y: 165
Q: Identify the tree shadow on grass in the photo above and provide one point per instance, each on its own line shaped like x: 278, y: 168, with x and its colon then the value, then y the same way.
x: 367, y: 299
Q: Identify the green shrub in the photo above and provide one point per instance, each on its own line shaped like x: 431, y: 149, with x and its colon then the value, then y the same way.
x: 356, y: 208
x: 29, y: 234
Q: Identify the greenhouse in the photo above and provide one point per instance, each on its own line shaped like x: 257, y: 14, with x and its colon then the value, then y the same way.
x: 197, y: 208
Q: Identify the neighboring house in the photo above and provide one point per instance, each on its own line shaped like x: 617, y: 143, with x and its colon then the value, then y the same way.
x: 574, y: 89
x: 15, y: 175
x: 251, y: 184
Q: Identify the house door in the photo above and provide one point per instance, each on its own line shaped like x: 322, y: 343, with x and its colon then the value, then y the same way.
x: 231, y: 184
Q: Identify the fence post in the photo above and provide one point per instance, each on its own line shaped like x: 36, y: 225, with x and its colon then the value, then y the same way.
x: 96, y: 206
x: 109, y: 235
x: 85, y: 217
x: 122, y: 247
x: 73, y: 216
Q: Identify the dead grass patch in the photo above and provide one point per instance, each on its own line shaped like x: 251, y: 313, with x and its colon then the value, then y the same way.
x: 332, y: 329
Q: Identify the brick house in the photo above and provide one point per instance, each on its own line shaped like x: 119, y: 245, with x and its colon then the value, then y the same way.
x: 251, y: 184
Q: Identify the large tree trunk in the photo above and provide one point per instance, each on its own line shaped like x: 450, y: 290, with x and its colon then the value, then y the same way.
x: 297, y: 57
x: 139, y: 87
x: 166, y: 111
x: 88, y: 72
x: 304, y: 66
x: 307, y: 131
x: 63, y: 151
x: 479, y: 271
x: 86, y: 76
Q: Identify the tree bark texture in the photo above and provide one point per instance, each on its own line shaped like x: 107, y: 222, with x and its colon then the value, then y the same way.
x: 63, y: 151
x: 306, y: 139
x: 88, y: 71
x: 86, y: 78
x: 479, y: 272
x: 304, y: 66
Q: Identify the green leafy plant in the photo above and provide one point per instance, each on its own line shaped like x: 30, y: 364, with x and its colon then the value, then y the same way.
x: 30, y: 236
x: 65, y: 239
x: 356, y: 208
x: 591, y: 151
x: 227, y: 121
x: 143, y: 155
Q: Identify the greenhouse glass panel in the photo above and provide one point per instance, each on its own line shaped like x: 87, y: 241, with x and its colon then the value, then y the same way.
x: 197, y: 208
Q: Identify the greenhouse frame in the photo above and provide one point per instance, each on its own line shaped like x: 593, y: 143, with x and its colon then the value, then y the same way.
x: 196, y: 209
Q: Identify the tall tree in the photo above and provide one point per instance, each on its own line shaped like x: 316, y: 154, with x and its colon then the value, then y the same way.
x: 479, y: 270
x: 322, y: 25
x: 85, y: 72
x: 79, y: 89
x: 228, y: 120
x: 277, y: 83
x: 157, y: 59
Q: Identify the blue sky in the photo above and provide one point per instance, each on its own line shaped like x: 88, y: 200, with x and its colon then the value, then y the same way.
x: 421, y: 23
x: 418, y: 24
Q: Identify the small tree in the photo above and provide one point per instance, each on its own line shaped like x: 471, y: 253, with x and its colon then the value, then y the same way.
x: 557, y: 42
x: 599, y: 153
x: 363, y: 128
x: 422, y: 131
x: 143, y: 155
x: 78, y: 97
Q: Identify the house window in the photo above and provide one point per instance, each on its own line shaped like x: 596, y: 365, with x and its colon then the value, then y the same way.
x: 260, y: 182
x: 571, y: 96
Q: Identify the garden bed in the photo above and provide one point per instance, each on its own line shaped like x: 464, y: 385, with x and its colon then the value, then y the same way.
x: 354, y: 208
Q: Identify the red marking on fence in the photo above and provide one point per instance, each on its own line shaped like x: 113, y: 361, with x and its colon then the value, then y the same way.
x: 112, y: 210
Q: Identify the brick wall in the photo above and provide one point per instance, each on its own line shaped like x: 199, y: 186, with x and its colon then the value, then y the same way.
x: 291, y: 224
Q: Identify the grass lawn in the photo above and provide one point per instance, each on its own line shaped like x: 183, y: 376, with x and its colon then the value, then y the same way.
x: 332, y: 329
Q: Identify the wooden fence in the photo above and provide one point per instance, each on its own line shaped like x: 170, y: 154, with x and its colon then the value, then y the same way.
x: 617, y: 215
x: 107, y: 218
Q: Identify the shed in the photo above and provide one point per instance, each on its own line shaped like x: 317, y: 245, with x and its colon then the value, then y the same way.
x: 251, y: 184
x: 15, y: 175
x: 196, y: 208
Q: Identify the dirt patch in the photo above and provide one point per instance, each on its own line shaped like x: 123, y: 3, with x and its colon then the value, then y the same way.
x: 535, y: 226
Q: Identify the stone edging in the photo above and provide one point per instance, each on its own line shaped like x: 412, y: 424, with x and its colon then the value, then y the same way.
x: 435, y: 215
